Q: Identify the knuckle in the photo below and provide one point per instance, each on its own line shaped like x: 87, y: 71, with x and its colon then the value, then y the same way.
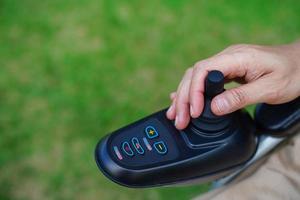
x: 189, y: 70
x: 244, y: 48
x: 237, y: 46
x: 200, y: 64
x: 239, y: 97
x: 181, y: 98
x: 180, y: 105
x: 177, y: 104
x: 246, y: 54
x: 197, y: 65
x: 172, y: 95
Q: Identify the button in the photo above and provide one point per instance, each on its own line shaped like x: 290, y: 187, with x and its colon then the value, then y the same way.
x: 137, y: 145
x: 147, y: 144
x: 127, y: 149
x: 151, y: 132
x: 117, y: 152
x: 160, y: 147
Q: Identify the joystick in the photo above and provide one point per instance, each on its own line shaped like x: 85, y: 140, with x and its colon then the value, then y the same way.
x: 152, y: 152
x: 208, y: 123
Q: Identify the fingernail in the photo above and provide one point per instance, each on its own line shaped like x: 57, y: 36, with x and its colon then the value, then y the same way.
x: 191, y: 110
x: 222, y: 105
x: 170, y: 108
x: 176, y: 120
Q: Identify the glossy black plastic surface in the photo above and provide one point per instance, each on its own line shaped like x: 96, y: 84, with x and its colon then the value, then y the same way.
x: 152, y: 152
x: 278, y: 120
x: 184, y: 161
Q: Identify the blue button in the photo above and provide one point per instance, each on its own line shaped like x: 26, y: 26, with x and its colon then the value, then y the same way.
x: 127, y: 149
x: 137, y: 145
x: 151, y: 132
x: 160, y: 147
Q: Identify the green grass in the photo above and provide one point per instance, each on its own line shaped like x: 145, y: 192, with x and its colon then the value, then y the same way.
x: 73, y: 71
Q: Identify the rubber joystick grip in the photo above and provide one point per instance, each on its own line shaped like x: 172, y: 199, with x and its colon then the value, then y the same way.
x: 208, y: 123
x: 214, y: 84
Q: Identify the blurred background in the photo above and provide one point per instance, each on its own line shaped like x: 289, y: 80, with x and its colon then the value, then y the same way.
x: 73, y: 71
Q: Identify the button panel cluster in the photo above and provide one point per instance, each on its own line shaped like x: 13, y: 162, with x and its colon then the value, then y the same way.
x: 147, y: 143
x: 135, y: 147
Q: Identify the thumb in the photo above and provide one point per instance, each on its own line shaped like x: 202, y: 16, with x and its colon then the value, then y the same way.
x: 239, y: 97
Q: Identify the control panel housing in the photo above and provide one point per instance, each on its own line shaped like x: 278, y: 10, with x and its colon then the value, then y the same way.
x: 152, y: 152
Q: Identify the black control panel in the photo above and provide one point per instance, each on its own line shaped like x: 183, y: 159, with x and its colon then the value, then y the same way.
x: 152, y: 152
x: 279, y: 120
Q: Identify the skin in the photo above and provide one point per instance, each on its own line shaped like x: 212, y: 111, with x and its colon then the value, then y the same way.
x: 269, y: 74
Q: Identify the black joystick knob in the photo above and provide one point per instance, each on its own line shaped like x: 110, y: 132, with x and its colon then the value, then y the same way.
x: 208, y: 123
x: 214, y: 84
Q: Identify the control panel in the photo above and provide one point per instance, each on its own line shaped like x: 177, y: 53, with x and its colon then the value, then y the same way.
x: 152, y: 152
x: 144, y: 145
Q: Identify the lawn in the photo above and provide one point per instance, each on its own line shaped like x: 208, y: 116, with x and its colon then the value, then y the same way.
x: 73, y: 71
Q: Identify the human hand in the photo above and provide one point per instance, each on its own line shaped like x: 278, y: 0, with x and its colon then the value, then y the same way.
x: 269, y: 74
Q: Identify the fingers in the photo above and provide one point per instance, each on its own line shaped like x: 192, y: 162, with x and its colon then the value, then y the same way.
x: 182, y: 101
x: 173, y: 96
x: 189, y: 98
x: 227, y: 64
x: 239, y: 97
x: 171, y: 113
